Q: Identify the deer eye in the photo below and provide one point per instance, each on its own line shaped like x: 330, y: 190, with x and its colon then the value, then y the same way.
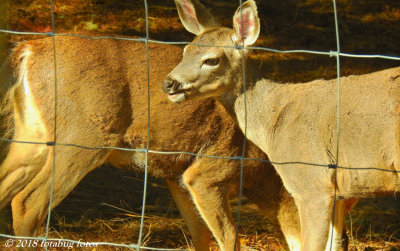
x: 211, y: 61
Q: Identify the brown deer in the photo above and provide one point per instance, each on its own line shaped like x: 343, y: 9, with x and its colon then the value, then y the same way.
x: 102, y: 101
x: 296, y: 123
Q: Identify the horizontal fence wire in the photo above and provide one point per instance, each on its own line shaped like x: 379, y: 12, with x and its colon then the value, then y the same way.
x: 238, y: 158
x: 147, y: 150
x: 143, y: 40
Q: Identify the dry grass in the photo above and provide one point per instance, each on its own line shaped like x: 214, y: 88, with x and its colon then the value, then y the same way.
x: 106, y: 207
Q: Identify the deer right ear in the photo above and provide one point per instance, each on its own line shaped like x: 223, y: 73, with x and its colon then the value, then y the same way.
x: 194, y: 16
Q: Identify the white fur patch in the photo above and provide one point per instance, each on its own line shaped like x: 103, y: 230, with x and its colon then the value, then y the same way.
x: 293, y: 243
x: 139, y: 159
x: 176, y: 98
x: 25, y: 55
x: 32, y: 121
x: 337, y: 239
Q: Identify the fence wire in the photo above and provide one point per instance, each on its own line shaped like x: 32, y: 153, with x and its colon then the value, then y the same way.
x: 148, y: 128
x: 337, y: 120
x: 148, y: 149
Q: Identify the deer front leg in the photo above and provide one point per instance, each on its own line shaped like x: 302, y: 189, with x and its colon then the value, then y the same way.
x: 207, y: 180
x: 198, y: 230
x: 315, y: 217
x: 288, y: 217
x: 335, y: 238
x: 338, y: 240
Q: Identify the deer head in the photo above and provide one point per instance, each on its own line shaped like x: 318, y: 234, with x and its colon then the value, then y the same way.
x: 211, y: 64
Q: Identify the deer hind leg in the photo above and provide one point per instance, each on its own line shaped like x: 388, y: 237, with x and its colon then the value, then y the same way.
x: 197, y: 228
x: 23, y: 160
x: 208, y: 185
x: 21, y: 165
x: 30, y: 206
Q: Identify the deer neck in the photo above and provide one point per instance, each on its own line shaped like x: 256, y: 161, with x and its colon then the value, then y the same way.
x: 255, y: 107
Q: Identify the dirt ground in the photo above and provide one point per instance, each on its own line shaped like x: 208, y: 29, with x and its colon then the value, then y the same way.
x: 106, y: 205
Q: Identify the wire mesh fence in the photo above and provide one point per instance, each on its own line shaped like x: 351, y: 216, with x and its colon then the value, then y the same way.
x: 338, y: 54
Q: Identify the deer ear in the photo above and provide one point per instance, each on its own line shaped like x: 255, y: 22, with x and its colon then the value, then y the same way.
x: 194, y: 16
x: 246, y: 24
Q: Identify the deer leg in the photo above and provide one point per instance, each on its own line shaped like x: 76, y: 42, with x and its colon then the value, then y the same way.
x: 315, y: 217
x: 339, y: 239
x: 30, y: 206
x: 289, y: 221
x: 21, y: 165
x: 335, y: 238
x: 264, y: 188
x: 208, y: 186
x: 349, y: 204
x: 198, y: 230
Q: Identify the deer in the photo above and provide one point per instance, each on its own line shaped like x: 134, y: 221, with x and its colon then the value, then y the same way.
x: 102, y: 102
x: 295, y: 124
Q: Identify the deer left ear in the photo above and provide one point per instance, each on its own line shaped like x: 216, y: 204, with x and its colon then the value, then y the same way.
x: 246, y: 24
x: 194, y: 16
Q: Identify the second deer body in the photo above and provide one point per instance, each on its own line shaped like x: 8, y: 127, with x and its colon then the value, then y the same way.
x: 295, y: 124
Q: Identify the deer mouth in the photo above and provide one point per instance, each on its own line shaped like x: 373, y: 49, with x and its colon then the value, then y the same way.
x: 177, y: 91
x: 177, y: 96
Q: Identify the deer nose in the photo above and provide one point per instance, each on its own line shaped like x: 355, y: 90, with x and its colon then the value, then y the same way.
x: 170, y: 85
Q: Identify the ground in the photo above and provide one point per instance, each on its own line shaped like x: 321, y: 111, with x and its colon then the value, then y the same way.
x: 106, y: 205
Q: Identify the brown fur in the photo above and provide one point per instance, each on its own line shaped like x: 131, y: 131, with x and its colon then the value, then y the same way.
x: 296, y: 123
x: 102, y: 101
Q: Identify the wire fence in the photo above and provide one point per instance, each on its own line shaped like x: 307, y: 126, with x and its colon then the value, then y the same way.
x: 146, y: 40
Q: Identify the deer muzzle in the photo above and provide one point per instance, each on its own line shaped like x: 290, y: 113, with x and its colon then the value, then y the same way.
x: 170, y: 86
x: 174, y: 89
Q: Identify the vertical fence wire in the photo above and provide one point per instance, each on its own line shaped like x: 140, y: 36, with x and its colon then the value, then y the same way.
x: 243, y: 155
x: 148, y: 128
x: 337, y: 123
x: 54, y: 143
